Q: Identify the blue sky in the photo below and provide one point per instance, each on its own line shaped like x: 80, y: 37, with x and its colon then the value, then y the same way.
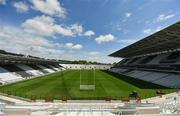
x: 81, y: 29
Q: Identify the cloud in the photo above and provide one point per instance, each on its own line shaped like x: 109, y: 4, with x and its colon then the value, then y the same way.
x: 93, y: 56
x: 163, y: 17
x: 151, y: 31
x: 69, y: 45
x: 158, y: 28
x: 128, y: 14
x: 103, y: 59
x: 21, y: 7
x: 3, y: 2
x: 100, y: 57
x: 104, y: 38
x: 147, y: 31
x: 49, y: 7
x: 77, y: 46
x: 73, y: 46
x: 94, y: 53
x: 46, y: 26
x: 76, y: 29
x: 126, y: 42
x: 89, y: 33
x: 18, y: 41
x: 40, y: 25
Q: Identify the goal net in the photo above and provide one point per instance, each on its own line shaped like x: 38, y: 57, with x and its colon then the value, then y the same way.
x: 87, y: 79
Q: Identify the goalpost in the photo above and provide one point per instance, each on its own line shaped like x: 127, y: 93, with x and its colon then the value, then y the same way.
x: 88, y: 84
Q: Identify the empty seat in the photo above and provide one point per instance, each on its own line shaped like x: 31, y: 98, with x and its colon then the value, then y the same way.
x: 170, y: 81
x: 37, y: 68
x: 56, y: 69
x: 172, y: 58
x: 157, y: 59
x: 12, y: 68
x: 154, y: 76
x: 147, y: 59
x: 160, y: 78
x: 7, y: 77
x: 46, y: 69
x: 29, y: 70
x: 15, y: 69
x: 49, y: 67
x: 57, y: 66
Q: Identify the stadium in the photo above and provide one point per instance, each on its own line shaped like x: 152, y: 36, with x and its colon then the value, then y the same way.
x: 89, y: 58
x: 145, y: 82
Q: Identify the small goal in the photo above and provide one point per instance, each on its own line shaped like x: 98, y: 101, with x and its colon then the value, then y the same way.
x: 87, y: 79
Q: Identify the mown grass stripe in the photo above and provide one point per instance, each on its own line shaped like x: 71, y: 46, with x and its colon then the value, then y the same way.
x: 67, y: 83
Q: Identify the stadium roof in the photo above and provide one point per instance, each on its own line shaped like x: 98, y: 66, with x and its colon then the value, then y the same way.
x: 165, y: 40
x: 9, y: 58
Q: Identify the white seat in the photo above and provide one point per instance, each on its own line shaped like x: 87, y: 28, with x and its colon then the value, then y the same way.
x: 46, y: 69
x: 29, y: 70
x: 7, y: 76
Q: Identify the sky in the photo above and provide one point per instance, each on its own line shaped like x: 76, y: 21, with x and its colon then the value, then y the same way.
x: 81, y: 29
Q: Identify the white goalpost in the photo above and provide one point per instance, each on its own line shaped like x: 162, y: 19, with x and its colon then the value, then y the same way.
x: 90, y: 85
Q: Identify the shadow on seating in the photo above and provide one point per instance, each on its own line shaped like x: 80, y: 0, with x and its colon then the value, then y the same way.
x: 136, y: 82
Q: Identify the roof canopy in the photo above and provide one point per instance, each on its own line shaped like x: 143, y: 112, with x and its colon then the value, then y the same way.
x: 11, y: 58
x: 167, y: 39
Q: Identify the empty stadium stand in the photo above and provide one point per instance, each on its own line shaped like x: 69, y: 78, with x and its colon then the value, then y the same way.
x: 49, y: 67
x: 6, y: 76
x: 17, y: 67
x: 85, y: 66
x: 172, y: 58
x: 155, y: 59
x: 17, y: 70
x: 29, y: 70
x: 53, y: 67
x: 147, y: 59
x: 37, y: 68
x: 45, y: 69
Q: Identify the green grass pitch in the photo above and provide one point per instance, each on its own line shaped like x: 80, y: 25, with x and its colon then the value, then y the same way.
x: 87, y: 77
x: 67, y: 83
